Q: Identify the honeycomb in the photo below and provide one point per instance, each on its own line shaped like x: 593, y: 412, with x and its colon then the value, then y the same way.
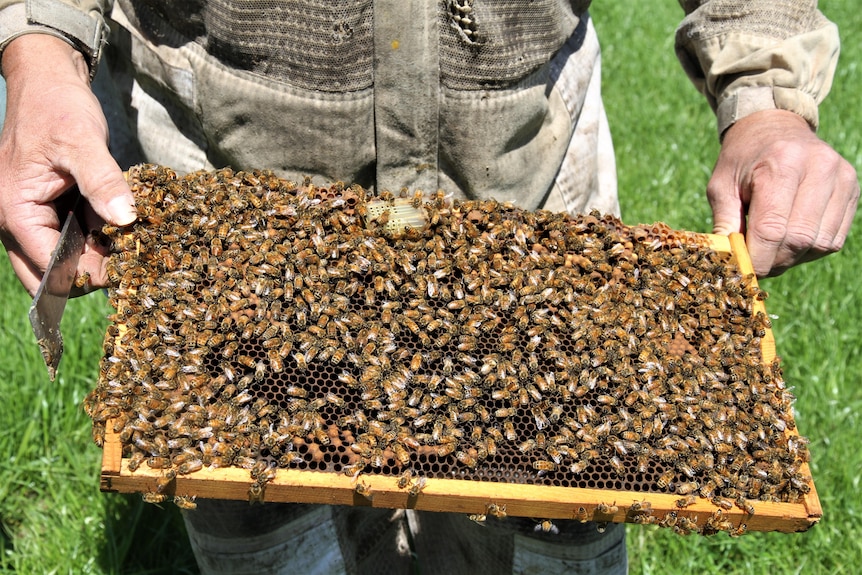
x: 266, y: 324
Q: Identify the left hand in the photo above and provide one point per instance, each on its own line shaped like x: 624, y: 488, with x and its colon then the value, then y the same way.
x: 798, y: 194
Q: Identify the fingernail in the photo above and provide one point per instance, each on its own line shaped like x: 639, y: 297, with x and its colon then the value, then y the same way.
x: 122, y: 211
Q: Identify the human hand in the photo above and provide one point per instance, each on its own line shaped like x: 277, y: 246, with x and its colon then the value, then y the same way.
x: 55, y: 135
x: 798, y: 194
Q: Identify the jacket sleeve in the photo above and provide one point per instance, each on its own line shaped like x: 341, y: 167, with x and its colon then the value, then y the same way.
x: 752, y: 55
x: 79, y: 22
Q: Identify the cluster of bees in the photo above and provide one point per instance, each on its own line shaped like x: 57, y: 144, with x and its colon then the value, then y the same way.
x: 265, y: 324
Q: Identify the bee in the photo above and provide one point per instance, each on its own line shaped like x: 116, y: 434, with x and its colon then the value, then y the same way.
x: 405, y: 479
x: 527, y: 445
x: 417, y: 486
x: 641, y: 507
x: 686, y: 469
x: 498, y: 511
x: 707, y: 490
x: 185, y: 502
x: 135, y: 460
x: 665, y: 478
x: 416, y: 362
x: 300, y: 360
x: 82, y: 279
x: 275, y: 362
x: 582, y: 515
x: 154, y: 497
x: 605, y: 509
x: 546, y: 526
x: 509, y: 431
x: 505, y: 412
x: 467, y: 458
x: 543, y: 466
x: 686, y: 501
x: 478, y: 518
x: 260, y: 370
x: 190, y: 466
x: 743, y: 504
x: 401, y: 454
x: 362, y: 489
x: 255, y: 493
x: 686, y: 488
x: 605, y: 399
x: 158, y: 462
x: 165, y: 480
x: 669, y: 520
x: 267, y: 474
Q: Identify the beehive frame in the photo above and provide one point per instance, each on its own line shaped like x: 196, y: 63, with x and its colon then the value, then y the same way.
x: 475, y: 497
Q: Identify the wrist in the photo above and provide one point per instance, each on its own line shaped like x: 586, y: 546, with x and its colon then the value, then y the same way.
x: 39, y: 53
x: 759, y: 124
x: 755, y: 99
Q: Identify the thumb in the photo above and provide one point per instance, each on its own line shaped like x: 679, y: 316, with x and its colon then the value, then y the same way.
x: 102, y: 183
x: 728, y: 207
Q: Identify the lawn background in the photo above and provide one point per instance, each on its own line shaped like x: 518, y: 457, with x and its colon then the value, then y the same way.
x: 53, y: 519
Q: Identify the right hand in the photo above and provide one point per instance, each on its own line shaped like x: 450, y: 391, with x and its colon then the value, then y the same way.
x: 55, y: 135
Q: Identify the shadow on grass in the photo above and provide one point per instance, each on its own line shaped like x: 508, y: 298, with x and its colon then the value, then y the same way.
x: 143, y: 538
x: 5, y: 546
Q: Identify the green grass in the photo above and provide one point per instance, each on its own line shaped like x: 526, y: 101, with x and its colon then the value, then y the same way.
x: 53, y: 519
x: 666, y: 147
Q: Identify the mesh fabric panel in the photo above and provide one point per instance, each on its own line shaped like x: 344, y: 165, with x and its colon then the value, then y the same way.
x: 314, y: 44
x: 327, y: 45
x: 495, y: 44
x: 777, y: 19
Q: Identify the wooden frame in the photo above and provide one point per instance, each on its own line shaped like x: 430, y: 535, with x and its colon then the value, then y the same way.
x: 471, y: 497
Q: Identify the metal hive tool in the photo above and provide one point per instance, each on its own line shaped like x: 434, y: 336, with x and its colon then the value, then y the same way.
x: 379, y: 350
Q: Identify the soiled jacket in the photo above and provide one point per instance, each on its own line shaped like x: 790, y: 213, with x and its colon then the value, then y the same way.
x: 475, y: 97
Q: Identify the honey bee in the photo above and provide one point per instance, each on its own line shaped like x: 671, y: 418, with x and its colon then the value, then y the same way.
x: 665, y: 478
x: 81, y: 280
x: 417, y: 486
x: 543, y: 466
x: 686, y: 488
x: 478, y: 518
x: 405, y: 479
x: 743, y: 504
x: 509, y: 431
x: 416, y: 362
x: 579, y: 466
x: 255, y: 493
x: 135, y: 460
x: 641, y: 507
x: 190, y: 467
x: 606, y: 509
x: 495, y: 510
x: 185, y: 502
x: 154, y: 497
x: 707, y: 490
x: 362, y: 489
x: 527, y: 445
x: 546, y: 526
x: 581, y: 515
x: 505, y: 412
x: 165, y: 480
x: 466, y: 458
